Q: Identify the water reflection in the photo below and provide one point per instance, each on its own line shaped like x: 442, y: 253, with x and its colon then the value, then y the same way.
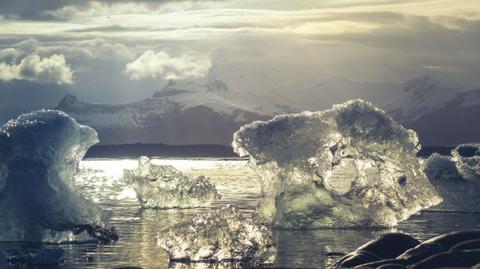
x: 99, y: 180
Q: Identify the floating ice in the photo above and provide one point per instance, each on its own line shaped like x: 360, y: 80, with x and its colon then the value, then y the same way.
x: 458, y: 188
x: 351, y: 165
x: 467, y: 160
x: 223, y: 235
x: 39, y: 154
x: 162, y: 186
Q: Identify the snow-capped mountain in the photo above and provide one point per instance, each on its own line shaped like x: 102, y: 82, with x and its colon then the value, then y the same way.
x: 183, y: 112
x: 441, y: 115
x: 421, y: 96
x: 187, y: 112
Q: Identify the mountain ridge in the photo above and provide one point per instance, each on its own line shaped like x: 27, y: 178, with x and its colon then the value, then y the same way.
x: 181, y: 113
x: 191, y: 113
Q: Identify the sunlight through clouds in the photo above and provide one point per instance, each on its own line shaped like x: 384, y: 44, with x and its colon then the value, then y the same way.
x: 161, y: 64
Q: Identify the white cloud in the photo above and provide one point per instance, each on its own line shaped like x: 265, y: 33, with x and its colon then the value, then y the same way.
x: 8, y: 55
x: 53, y: 69
x: 162, y: 65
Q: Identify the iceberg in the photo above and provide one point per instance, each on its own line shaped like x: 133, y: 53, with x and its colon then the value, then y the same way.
x: 162, y: 187
x: 39, y: 155
x: 348, y: 166
x: 223, y: 235
x: 467, y: 160
x: 455, y: 180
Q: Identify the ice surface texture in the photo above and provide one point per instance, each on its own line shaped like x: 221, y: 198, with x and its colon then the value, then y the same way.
x: 162, y: 186
x: 348, y: 166
x: 39, y: 154
x: 467, y: 160
x: 223, y: 235
x: 456, y: 178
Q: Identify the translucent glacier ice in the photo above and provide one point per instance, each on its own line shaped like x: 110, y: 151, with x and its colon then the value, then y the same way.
x: 458, y: 189
x: 223, y: 235
x: 162, y: 186
x: 351, y: 165
x: 39, y: 154
x: 467, y: 160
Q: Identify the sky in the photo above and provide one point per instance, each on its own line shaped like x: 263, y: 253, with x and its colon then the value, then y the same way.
x: 119, y: 51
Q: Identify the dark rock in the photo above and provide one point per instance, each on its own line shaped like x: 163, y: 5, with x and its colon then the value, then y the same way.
x: 465, y: 245
x: 463, y: 258
x: 397, y: 250
x: 421, y: 252
x: 390, y: 245
x: 377, y: 264
x: 34, y: 256
x: 356, y: 258
x: 451, y: 239
x: 103, y: 235
x: 392, y: 266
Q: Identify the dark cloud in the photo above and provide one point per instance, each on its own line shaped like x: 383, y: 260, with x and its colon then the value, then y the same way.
x: 44, y: 9
x: 34, y: 9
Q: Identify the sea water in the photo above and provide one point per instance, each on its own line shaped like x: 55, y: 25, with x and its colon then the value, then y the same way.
x: 100, y: 180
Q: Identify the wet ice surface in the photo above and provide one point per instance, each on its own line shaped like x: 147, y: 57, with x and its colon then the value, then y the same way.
x: 164, y: 187
x: 238, y: 184
x: 348, y: 166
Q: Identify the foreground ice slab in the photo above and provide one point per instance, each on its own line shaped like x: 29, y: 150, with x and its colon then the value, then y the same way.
x: 221, y: 236
x: 351, y: 165
x: 456, y: 181
x: 162, y: 186
x: 39, y: 154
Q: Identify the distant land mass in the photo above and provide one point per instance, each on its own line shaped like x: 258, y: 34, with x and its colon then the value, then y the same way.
x: 191, y: 113
x: 194, y: 151
x: 183, y: 113
x: 159, y: 150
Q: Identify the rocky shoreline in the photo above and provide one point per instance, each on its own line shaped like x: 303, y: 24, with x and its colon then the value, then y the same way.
x: 398, y: 250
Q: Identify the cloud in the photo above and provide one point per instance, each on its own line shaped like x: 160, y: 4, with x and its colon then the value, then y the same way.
x: 8, y: 55
x: 53, y: 69
x: 68, y: 9
x: 162, y: 65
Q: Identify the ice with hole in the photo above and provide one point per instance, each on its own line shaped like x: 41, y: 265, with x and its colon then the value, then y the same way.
x: 39, y: 155
x: 456, y: 178
x: 467, y: 160
x: 163, y: 186
x: 223, y: 235
x: 348, y: 166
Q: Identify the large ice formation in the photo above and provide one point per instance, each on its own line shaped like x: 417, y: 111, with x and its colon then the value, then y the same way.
x: 162, y: 186
x: 351, y: 165
x: 456, y: 179
x: 223, y: 235
x: 39, y: 154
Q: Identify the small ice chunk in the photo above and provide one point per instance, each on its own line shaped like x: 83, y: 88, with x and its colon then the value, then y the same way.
x: 458, y: 189
x: 351, y: 165
x: 467, y: 160
x: 223, y: 235
x: 39, y: 155
x: 162, y: 186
